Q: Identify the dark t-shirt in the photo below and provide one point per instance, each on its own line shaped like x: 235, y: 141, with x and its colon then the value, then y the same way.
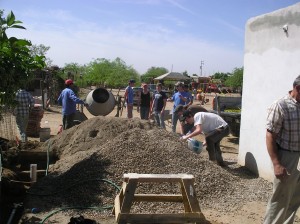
x: 159, y: 100
x: 145, y: 99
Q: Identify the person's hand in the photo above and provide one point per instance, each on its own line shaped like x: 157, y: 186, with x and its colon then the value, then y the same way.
x: 281, y: 172
x: 183, y: 138
x: 162, y: 112
x: 204, y: 143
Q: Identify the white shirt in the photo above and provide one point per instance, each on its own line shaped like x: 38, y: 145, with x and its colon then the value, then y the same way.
x: 208, y: 121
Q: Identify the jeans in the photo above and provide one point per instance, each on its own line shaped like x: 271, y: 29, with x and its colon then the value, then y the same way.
x: 22, y: 122
x: 144, y: 113
x: 160, y: 119
x: 129, y: 110
x: 68, y: 121
x: 174, y: 121
x: 213, y: 140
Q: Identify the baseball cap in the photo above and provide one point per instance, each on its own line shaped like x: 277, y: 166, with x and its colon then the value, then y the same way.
x: 131, y: 81
x: 179, y: 84
x: 69, y: 82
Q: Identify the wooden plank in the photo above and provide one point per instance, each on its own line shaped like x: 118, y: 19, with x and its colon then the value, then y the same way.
x: 157, y: 177
x: 128, y: 195
x: 117, y: 207
x: 186, y: 204
x: 161, y: 218
x: 191, y: 195
x: 158, y: 197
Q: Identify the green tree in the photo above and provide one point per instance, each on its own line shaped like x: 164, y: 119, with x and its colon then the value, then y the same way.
x: 17, y: 65
x: 152, y: 73
x: 42, y: 50
x: 222, y: 76
x: 236, y: 79
x: 108, y: 73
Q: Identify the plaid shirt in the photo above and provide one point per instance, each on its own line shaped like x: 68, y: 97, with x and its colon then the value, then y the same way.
x: 25, y: 101
x: 284, y: 120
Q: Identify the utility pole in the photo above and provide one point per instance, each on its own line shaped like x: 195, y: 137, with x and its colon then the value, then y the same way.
x: 201, y: 67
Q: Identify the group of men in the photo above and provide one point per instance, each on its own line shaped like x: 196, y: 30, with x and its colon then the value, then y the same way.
x: 282, y: 135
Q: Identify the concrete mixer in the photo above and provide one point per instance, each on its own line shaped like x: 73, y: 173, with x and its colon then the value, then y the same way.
x: 100, y: 101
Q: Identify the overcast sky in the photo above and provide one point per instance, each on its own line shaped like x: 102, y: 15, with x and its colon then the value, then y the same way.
x: 175, y: 34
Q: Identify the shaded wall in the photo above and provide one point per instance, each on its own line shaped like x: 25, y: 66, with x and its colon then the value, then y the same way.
x: 271, y: 63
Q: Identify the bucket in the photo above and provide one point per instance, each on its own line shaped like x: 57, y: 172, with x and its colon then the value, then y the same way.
x: 100, y: 101
x: 195, y: 146
x: 44, y: 134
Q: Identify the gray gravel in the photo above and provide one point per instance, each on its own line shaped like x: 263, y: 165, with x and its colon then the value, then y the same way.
x: 108, y: 147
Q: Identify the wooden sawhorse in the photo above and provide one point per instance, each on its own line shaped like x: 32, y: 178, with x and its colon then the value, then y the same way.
x: 127, y: 196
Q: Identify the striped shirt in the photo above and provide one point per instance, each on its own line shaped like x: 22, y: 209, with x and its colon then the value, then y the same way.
x: 25, y: 101
x: 284, y: 120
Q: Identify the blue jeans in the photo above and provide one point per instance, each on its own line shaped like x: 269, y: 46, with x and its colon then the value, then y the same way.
x: 144, y: 113
x: 22, y: 122
x: 160, y: 119
x: 174, y: 121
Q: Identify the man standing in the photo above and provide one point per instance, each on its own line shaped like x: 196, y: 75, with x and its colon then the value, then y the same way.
x: 159, y: 105
x: 129, y: 97
x: 25, y: 103
x: 68, y: 100
x: 213, y: 127
x: 180, y: 97
x: 283, y: 145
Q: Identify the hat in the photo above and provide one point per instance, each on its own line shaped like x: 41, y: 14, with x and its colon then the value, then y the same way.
x: 69, y: 82
x: 178, y: 108
x: 179, y: 84
x: 185, y: 115
x: 131, y: 81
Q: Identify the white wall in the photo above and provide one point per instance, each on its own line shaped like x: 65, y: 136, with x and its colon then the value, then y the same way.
x: 271, y: 63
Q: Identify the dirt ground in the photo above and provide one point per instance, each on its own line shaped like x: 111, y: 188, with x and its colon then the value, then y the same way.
x: 250, y: 212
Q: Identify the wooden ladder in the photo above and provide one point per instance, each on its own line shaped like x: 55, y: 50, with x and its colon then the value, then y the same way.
x: 127, y: 196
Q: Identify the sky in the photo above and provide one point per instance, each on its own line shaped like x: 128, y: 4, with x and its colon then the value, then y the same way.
x: 179, y: 35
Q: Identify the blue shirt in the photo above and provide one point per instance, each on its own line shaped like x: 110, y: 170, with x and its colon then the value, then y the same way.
x: 68, y: 100
x: 129, y: 95
x: 177, y: 100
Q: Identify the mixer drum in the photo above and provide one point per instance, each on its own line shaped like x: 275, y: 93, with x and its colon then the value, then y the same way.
x: 100, y: 101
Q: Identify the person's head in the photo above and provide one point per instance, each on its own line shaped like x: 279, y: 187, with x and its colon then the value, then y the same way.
x: 158, y: 87
x: 296, y: 88
x: 145, y: 87
x: 179, y: 86
x: 180, y: 109
x: 187, y: 116
x: 186, y: 87
x: 131, y: 82
x: 69, y: 82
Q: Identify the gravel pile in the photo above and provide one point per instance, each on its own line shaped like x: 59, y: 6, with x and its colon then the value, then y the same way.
x: 108, y: 147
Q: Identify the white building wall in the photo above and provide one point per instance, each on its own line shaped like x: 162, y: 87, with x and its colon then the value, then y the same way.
x: 271, y: 63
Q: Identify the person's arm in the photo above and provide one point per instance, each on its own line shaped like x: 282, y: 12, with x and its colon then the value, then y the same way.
x: 163, y: 109
x: 197, y: 131
x: 126, y: 95
x: 279, y: 170
x: 139, y: 101
x: 182, y: 128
